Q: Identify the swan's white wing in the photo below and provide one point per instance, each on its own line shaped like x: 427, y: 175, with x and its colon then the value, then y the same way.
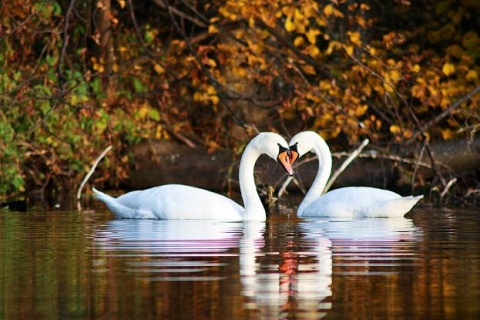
x: 354, y: 202
x: 174, y: 202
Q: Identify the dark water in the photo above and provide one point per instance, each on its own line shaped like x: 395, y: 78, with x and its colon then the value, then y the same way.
x: 84, y: 265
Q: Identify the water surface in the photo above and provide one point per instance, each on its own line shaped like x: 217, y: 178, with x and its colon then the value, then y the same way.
x: 85, y: 265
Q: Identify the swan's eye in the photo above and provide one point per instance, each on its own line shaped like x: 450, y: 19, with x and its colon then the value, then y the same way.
x: 294, y: 147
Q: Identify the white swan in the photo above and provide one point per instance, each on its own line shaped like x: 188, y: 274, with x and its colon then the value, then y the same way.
x: 175, y: 201
x: 346, y: 202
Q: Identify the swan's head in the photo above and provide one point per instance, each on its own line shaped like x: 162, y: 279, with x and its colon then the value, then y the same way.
x: 275, y: 147
x: 302, y: 143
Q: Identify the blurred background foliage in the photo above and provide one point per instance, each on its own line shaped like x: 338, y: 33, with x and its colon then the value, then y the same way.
x: 78, y: 75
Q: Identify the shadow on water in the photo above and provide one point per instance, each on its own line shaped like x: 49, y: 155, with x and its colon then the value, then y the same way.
x: 81, y: 264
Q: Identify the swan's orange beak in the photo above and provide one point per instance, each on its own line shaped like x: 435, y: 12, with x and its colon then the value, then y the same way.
x: 284, y: 159
x: 293, y: 153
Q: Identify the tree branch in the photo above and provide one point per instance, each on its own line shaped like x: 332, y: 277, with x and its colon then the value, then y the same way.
x: 345, y: 164
x: 183, y: 15
x: 137, y: 30
x: 92, y: 169
x: 445, y: 113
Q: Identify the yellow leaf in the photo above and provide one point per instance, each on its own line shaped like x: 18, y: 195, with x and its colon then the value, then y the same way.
x: 364, y: 6
x: 144, y: 110
x: 298, y: 15
x: 349, y: 50
x: 337, y: 13
x: 214, y: 99
x: 211, y: 90
x: 447, y: 134
x: 308, y: 69
x: 198, y: 96
x: 395, y: 129
x: 367, y: 90
x: 298, y: 41
x: 407, y: 133
x: 472, y: 75
x: 239, y: 71
x: 418, y: 91
x: 212, y: 29
x: 332, y: 45
x: 313, y: 51
x: 328, y: 10
x: 158, y: 69
x: 210, y: 62
x: 324, y: 85
x: 388, y: 87
x: 394, y: 76
x: 360, y: 111
x: 448, y: 69
x: 287, y: 11
x: 212, y: 94
x: 362, y: 22
x: 121, y: 3
x: 312, y: 35
x: 300, y: 25
x: 355, y: 38
x: 98, y: 67
x: 289, y: 26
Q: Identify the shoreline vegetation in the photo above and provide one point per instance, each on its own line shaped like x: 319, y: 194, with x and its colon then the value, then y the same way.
x: 177, y: 89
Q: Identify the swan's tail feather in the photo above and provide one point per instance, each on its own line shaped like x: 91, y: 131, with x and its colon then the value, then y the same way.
x: 119, y: 210
x: 401, y: 205
x: 105, y: 198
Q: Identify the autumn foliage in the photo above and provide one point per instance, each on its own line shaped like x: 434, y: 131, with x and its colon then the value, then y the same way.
x: 77, y: 76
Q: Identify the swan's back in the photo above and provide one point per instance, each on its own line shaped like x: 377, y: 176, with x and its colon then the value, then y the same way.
x: 360, y: 202
x: 172, y: 202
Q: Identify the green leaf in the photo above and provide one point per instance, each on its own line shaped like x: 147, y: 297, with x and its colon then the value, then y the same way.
x: 138, y: 86
x: 154, y: 114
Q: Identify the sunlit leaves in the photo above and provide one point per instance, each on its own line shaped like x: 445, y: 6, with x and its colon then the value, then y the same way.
x: 312, y: 34
x: 209, y: 95
x: 212, y: 29
x: 330, y: 11
x: 158, y: 68
x: 447, y: 134
x: 472, y: 76
x: 354, y: 37
x: 448, y: 69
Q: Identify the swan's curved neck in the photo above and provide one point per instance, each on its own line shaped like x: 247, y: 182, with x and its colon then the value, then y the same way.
x: 321, y: 149
x: 254, y: 209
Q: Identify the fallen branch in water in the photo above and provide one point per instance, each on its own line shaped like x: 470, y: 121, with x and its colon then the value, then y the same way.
x: 285, y: 184
x: 344, y: 165
x: 447, y: 187
x: 89, y: 174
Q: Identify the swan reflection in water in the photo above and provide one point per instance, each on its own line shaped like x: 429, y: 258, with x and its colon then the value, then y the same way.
x: 289, y: 273
x: 297, y: 280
